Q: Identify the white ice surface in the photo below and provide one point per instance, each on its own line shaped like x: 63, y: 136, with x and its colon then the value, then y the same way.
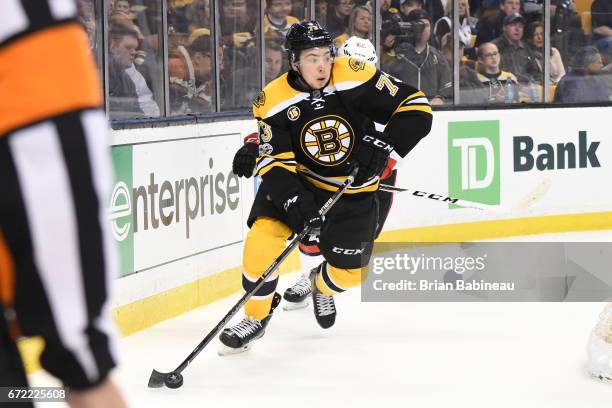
x: 378, y: 354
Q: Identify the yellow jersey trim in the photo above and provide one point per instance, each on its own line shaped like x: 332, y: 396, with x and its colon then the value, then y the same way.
x: 426, y: 109
x: 350, y: 72
x: 410, y: 104
x: 268, y: 167
x: 275, y: 97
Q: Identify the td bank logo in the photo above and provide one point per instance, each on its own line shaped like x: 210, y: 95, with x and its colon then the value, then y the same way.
x: 473, y: 161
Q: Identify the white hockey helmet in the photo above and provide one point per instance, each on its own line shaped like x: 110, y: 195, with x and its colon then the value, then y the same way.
x: 359, y: 48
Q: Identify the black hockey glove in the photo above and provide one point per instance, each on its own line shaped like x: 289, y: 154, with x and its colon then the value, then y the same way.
x: 372, y: 154
x: 302, y: 211
x: 246, y: 157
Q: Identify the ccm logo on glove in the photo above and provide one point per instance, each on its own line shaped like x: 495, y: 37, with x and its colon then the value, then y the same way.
x: 290, y: 202
x: 378, y: 143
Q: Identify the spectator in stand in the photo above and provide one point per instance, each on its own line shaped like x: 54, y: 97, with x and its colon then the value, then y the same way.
x: 582, y: 84
x: 123, y: 100
x: 471, y: 90
x: 434, y: 8
x: 606, y: 74
x: 446, y: 47
x: 499, y: 86
x: 386, y: 10
x: 491, y: 27
x: 467, y: 24
x: 277, y: 17
x: 191, y: 76
x: 199, y: 13
x: 601, y: 14
x: 338, y: 13
x: 360, y: 25
x: 516, y: 56
x: 86, y: 17
x: 145, y: 97
x: 238, y: 20
x: 566, y: 29
x: 536, y: 41
x: 178, y: 17
x: 406, y: 7
x: 274, y: 61
x: 465, y: 16
x: 121, y: 6
x: 476, y: 8
x: 299, y: 9
x: 421, y: 65
x: 532, y: 11
x: 321, y: 12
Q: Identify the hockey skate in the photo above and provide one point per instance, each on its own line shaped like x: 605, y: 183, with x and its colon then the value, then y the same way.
x: 323, y: 305
x: 298, y: 295
x: 239, y: 337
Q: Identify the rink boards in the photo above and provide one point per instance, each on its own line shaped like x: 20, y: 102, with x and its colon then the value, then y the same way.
x: 178, y: 213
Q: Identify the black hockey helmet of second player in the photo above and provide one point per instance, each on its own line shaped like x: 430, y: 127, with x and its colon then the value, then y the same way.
x: 304, y: 35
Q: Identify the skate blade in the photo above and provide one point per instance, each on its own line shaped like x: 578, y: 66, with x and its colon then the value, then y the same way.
x: 228, y: 351
x: 289, y: 306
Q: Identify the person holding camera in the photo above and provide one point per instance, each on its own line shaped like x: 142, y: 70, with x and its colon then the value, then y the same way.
x: 416, y: 62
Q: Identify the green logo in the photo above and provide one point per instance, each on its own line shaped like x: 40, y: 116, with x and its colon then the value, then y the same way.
x: 473, y: 161
x: 121, y: 207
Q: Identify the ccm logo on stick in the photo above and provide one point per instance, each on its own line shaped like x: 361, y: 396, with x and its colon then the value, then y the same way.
x: 345, y: 251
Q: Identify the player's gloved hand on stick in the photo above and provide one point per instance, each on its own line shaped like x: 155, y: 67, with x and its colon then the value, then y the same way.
x: 372, y: 154
x: 302, y: 211
x: 246, y: 157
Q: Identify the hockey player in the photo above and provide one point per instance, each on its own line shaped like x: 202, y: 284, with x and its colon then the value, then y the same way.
x: 298, y: 294
x: 313, y: 127
x: 310, y: 256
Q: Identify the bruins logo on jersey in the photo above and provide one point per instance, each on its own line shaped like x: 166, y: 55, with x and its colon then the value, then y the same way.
x: 356, y: 65
x: 260, y: 100
x: 327, y: 140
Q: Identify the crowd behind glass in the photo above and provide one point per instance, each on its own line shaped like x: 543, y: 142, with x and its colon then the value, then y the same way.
x: 158, y: 58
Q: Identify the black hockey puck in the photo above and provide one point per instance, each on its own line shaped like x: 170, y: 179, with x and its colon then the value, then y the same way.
x: 173, y: 380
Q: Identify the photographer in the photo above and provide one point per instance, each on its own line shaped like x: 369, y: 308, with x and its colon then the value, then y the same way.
x: 415, y: 61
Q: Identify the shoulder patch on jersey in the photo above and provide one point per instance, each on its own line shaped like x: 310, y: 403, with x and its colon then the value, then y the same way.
x: 356, y: 65
x: 260, y: 100
x: 293, y: 113
x: 275, y: 97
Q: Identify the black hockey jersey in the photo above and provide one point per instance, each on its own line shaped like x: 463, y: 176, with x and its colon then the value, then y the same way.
x: 315, y: 133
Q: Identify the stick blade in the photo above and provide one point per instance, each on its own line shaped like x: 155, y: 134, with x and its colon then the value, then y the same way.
x: 527, y: 201
x: 157, y: 379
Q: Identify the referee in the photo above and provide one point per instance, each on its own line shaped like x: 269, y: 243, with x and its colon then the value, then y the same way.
x: 56, y: 257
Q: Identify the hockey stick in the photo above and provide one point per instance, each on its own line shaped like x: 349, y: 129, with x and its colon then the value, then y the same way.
x: 521, y: 205
x: 174, y: 378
